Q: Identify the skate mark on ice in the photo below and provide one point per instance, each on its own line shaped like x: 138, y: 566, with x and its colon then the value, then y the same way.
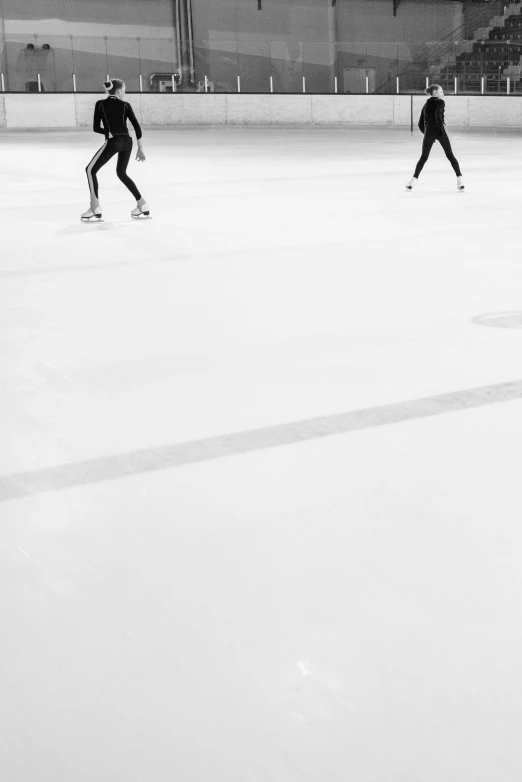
x: 499, y: 320
x: 103, y: 225
x: 87, y: 267
x: 150, y: 261
x: 125, y: 465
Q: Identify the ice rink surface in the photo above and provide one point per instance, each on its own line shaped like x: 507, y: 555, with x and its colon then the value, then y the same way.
x: 196, y: 583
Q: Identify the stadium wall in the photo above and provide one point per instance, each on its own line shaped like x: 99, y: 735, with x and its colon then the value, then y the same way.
x: 287, y: 39
x: 74, y: 111
x: 295, y: 20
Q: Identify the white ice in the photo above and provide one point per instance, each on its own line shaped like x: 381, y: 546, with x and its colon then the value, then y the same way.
x: 345, y: 609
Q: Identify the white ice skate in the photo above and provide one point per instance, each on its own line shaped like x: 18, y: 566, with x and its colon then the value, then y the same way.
x: 92, y: 215
x: 141, y: 212
x: 460, y: 183
x: 411, y: 184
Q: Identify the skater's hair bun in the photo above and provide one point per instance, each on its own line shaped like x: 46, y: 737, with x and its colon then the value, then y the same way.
x: 112, y: 85
x: 431, y: 89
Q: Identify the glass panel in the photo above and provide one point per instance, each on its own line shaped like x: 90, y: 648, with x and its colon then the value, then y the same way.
x: 3, y: 57
x: 352, y: 67
x: 222, y: 64
x: 358, y: 67
x: 55, y: 63
x: 193, y: 64
x: 382, y: 62
x: 255, y: 65
x: 413, y: 68
x: 21, y: 64
x: 442, y: 66
x: 319, y: 59
x: 287, y: 66
x: 158, y: 63
x: 492, y: 66
x: 404, y: 67
x: 195, y: 73
x: 467, y: 67
x: 90, y: 63
x: 123, y: 61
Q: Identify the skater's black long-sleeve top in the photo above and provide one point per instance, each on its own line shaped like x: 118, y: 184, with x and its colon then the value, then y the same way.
x: 432, y: 115
x: 111, y: 115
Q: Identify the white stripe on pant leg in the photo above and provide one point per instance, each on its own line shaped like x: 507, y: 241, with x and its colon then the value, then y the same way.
x: 90, y: 167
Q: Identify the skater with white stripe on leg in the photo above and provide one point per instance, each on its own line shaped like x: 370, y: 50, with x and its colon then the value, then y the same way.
x: 110, y: 119
x: 431, y: 124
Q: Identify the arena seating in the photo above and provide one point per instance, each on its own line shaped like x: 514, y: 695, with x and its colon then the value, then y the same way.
x: 495, y: 58
x: 477, y: 57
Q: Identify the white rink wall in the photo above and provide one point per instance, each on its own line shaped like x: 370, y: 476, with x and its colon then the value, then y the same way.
x: 45, y: 111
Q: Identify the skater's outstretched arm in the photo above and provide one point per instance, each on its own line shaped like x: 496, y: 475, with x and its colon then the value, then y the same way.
x: 98, y: 123
x: 421, y: 122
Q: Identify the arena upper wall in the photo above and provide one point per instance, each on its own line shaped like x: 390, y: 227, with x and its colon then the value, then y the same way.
x: 74, y: 111
x: 285, y: 39
x: 238, y: 20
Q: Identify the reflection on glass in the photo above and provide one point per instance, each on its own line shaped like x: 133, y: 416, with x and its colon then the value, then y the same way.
x: 21, y: 71
x: 254, y: 65
x: 319, y: 63
x: 222, y: 67
x: 159, y: 64
x: 461, y: 64
x: 54, y: 59
x: 382, y: 61
x: 123, y: 61
x: 90, y: 63
x: 287, y: 66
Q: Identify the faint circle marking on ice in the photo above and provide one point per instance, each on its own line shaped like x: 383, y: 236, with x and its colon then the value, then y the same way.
x: 499, y: 320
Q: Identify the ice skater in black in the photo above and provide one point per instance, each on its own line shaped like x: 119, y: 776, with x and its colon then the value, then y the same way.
x: 431, y: 123
x: 110, y: 119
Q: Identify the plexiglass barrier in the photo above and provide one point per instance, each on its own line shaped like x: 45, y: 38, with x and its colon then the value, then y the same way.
x: 46, y: 63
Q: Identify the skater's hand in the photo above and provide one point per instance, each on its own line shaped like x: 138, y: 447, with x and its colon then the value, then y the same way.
x: 140, y: 154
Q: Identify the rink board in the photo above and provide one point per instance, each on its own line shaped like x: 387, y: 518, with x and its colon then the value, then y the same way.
x: 268, y: 109
x: 49, y: 111
x: 44, y: 111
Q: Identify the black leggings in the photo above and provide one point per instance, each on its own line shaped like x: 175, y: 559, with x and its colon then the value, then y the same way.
x: 430, y: 137
x: 122, y: 146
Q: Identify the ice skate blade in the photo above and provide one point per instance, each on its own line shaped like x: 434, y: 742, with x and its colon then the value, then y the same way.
x: 143, y: 216
x: 92, y: 220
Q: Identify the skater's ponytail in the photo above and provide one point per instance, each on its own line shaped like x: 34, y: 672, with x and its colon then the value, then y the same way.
x: 112, y: 85
x: 431, y: 89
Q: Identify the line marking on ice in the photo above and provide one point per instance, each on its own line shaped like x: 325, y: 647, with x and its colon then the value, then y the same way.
x: 126, y: 465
